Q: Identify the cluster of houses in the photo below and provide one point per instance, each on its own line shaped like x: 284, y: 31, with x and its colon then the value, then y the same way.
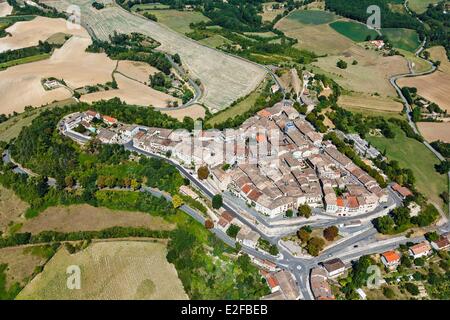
x: 276, y: 161
x: 321, y: 275
x: 319, y: 278
x: 301, y: 169
x: 281, y: 282
x: 391, y: 259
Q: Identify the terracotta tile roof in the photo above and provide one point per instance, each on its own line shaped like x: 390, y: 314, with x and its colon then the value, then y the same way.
x: 109, y: 119
x: 340, y: 202
x: 443, y: 242
x: 420, y: 248
x: 352, y: 202
x: 402, y: 190
x: 254, y: 195
x: 246, y: 189
x: 264, y: 113
x: 227, y: 216
x: 260, y: 137
x: 272, y: 281
x: 391, y: 256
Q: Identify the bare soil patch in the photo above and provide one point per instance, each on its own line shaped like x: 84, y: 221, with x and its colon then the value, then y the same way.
x: 433, y: 131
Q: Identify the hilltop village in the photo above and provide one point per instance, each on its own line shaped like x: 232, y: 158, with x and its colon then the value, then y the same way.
x: 275, y: 161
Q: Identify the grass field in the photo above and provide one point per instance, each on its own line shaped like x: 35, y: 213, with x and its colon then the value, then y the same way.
x: 17, y: 62
x: 420, y: 65
x: 21, y: 263
x: 88, y: 218
x: 112, y: 270
x: 420, y: 6
x: 401, y: 38
x: 261, y: 34
x: 215, y: 41
x: 312, y: 17
x: 58, y: 38
x: 11, y: 208
x: 370, y: 75
x: 149, y: 6
x: 238, y: 108
x: 370, y: 102
x: 178, y: 20
x: 357, y: 32
x: 321, y: 39
x: 414, y: 155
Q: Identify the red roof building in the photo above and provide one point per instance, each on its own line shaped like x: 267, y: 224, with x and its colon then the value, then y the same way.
x: 402, y: 191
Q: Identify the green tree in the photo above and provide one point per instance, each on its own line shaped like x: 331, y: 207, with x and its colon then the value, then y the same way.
x: 304, y: 211
x: 217, y: 201
x: 315, y: 245
x: 384, y: 224
x: 341, y: 64
x: 412, y: 288
x: 233, y: 230
x: 303, y: 235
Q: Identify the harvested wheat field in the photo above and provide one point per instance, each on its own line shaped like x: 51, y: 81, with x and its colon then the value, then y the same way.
x: 71, y: 62
x: 136, y: 70
x: 225, y: 78
x: 11, y: 208
x: 29, y: 33
x: 21, y: 262
x: 370, y: 75
x: 132, y: 92
x: 434, y: 87
x: 112, y: 270
x: 438, y: 53
x: 370, y: 102
x: 88, y: 218
x: 5, y: 9
x: 195, y: 111
x: 433, y: 131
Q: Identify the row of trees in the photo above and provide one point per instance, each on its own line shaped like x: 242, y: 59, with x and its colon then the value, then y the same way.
x: 400, y: 219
